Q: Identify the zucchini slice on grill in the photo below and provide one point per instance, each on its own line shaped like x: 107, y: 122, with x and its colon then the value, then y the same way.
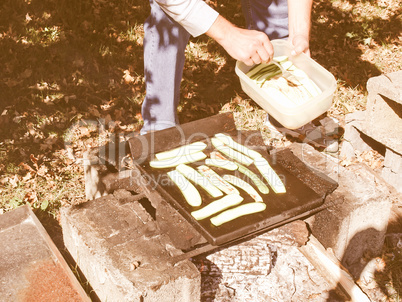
x: 242, y: 210
x: 198, y: 179
x: 217, y: 206
x: 188, y: 190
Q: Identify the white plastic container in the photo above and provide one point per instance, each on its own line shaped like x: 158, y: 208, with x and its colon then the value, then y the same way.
x: 296, y: 116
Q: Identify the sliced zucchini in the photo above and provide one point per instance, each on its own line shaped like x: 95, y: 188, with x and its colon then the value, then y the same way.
x: 217, y: 180
x: 242, y: 210
x: 227, y: 140
x: 217, y: 155
x: 270, y: 175
x: 198, y: 179
x: 262, y: 187
x: 173, y: 162
x: 217, y: 206
x: 281, y: 59
x: 181, y: 151
x: 240, y: 157
x: 221, y: 163
x: 188, y: 190
x: 287, y: 65
x: 243, y: 185
x: 260, y: 70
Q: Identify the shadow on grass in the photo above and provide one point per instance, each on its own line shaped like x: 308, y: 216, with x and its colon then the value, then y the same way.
x: 63, y: 61
x: 77, y: 48
x: 339, y: 37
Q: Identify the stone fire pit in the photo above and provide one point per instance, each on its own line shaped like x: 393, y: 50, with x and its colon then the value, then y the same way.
x: 272, y: 265
x: 127, y: 255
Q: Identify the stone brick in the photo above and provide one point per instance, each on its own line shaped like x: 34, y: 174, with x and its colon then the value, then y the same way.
x: 352, y: 138
x: 102, y: 181
x: 356, y: 222
x: 388, y: 85
x: 392, y: 171
x: 32, y: 268
x: 124, y: 256
x: 384, y: 110
x: 93, y: 172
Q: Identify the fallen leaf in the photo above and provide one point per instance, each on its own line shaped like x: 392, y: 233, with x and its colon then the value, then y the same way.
x: 51, y: 140
x: 118, y: 114
x: 12, y: 83
x: 127, y: 77
x: 228, y: 107
x: 138, y: 116
x: 31, y: 197
x: 34, y: 160
x: 26, y: 74
x: 44, y: 147
x: 27, y: 167
x: 28, y: 176
x: 79, y: 62
x: 42, y: 171
x: 13, y: 181
x: 48, y: 100
x: 84, y: 132
x: 223, y: 87
x: 93, y: 111
x: 4, y: 118
x: 28, y: 18
x: 107, y: 106
x: 4, y: 180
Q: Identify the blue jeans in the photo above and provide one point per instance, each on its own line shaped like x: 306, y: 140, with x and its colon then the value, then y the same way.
x: 164, y: 45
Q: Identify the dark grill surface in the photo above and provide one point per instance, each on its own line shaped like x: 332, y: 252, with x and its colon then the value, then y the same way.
x: 300, y: 197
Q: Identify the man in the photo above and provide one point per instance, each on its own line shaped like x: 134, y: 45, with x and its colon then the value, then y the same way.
x: 168, y: 29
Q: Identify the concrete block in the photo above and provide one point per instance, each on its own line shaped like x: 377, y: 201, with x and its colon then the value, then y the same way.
x: 321, y: 162
x: 32, y: 268
x: 392, y: 171
x: 388, y: 85
x: 123, y: 254
x: 102, y: 162
x: 352, y: 138
x: 355, y: 139
x: 93, y: 172
x: 356, y: 223
x: 102, y: 181
x: 384, y: 110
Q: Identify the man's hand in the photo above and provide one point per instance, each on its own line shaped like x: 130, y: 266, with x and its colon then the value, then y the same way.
x: 300, y: 44
x: 299, y: 25
x: 248, y: 46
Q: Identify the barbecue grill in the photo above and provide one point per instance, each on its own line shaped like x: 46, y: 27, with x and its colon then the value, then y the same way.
x: 306, y: 188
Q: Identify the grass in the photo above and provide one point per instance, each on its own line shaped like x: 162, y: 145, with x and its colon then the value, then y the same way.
x: 65, y: 63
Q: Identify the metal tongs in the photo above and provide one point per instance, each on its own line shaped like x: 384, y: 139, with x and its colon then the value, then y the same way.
x: 285, y: 72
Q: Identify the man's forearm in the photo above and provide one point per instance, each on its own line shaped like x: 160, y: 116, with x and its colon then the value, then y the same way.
x: 220, y: 29
x: 248, y: 46
x: 299, y: 17
x: 299, y: 25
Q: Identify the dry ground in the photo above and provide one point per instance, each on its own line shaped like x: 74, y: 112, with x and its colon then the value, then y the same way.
x: 65, y: 64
